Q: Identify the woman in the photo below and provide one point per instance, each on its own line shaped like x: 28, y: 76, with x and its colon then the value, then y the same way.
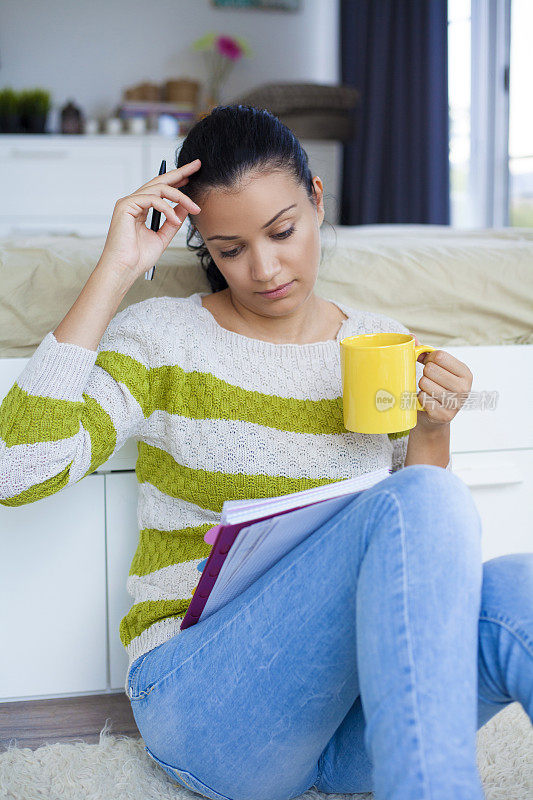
x: 351, y: 665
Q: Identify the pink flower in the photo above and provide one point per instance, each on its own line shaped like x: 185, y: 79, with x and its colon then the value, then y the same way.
x: 228, y: 48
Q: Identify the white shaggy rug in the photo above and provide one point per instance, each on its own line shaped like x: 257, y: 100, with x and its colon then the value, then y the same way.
x: 118, y: 768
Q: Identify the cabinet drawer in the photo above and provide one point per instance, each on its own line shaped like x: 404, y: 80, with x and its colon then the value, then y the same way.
x: 54, y: 183
x: 501, y: 484
x: 125, y: 458
x: 122, y: 540
x: 53, y: 593
x: 508, y: 371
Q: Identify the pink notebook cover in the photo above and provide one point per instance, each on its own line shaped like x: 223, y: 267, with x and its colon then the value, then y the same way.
x: 222, y: 537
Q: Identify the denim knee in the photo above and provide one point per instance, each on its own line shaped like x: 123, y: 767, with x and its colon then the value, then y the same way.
x: 506, y: 634
x: 507, y: 593
x: 438, y: 488
x: 425, y: 475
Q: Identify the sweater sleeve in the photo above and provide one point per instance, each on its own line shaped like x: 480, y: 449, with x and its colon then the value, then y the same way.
x: 71, y: 408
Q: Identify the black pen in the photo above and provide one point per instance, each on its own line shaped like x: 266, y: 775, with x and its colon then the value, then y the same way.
x: 156, y: 219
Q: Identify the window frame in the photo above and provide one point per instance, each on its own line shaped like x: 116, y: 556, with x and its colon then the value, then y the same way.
x: 489, y: 112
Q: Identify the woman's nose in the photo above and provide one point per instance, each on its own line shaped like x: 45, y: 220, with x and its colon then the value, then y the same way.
x: 264, y: 269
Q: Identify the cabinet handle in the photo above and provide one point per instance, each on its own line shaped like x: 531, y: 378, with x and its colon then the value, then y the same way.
x: 49, y: 230
x: 39, y: 153
x: 490, y: 474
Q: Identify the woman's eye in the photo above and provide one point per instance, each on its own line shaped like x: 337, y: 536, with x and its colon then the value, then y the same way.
x: 282, y: 235
x: 229, y: 253
x: 285, y: 234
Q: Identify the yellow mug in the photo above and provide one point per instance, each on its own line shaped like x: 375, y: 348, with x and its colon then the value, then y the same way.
x: 379, y: 387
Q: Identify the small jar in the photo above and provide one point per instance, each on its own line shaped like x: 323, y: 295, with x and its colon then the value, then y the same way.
x: 71, y: 118
x: 167, y: 125
x: 91, y: 127
x: 136, y: 125
x: 113, y: 126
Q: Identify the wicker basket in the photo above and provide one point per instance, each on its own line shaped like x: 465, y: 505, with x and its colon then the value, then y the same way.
x: 181, y: 90
x: 310, y: 110
x: 149, y: 92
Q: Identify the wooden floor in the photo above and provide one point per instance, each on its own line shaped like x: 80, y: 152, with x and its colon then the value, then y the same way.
x: 32, y: 723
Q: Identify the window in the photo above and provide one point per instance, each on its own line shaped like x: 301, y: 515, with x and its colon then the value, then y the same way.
x: 490, y: 61
x: 459, y: 50
x: 521, y: 116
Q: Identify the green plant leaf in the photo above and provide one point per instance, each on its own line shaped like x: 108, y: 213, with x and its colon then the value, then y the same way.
x: 204, y: 42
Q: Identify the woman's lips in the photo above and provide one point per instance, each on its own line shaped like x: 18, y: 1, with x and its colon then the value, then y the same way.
x: 278, y: 292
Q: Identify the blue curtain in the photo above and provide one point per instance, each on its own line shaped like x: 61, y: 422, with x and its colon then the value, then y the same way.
x: 396, y: 168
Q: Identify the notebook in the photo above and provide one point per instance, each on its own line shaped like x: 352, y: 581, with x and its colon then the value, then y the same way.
x: 253, y: 535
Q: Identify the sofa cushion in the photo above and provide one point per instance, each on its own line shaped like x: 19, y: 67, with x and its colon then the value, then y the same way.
x: 449, y: 286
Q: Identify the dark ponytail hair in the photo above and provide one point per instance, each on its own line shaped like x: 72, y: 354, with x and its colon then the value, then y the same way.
x: 230, y: 141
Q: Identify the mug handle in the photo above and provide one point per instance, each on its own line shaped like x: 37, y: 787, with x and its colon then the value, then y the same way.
x: 421, y: 349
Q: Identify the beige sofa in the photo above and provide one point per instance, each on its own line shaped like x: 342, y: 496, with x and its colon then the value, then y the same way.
x: 449, y: 286
x: 473, y: 289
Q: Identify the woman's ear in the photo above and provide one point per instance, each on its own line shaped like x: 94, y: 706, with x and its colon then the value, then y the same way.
x: 318, y: 191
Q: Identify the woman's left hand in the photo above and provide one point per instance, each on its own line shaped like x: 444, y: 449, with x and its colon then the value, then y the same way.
x: 444, y: 388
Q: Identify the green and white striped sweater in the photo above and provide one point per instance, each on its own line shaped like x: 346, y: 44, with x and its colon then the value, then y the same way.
x: 216, y: 415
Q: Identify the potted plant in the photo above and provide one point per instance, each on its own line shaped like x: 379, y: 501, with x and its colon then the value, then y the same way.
x: 34, y: 108
x: 221, y: 54
x: 9, y: 111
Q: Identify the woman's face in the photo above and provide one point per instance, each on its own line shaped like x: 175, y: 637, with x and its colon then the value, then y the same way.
x: 256, y: 247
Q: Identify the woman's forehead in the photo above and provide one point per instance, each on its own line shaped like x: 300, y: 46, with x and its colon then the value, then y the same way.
x: 252, y: 183
x: 251, y: 203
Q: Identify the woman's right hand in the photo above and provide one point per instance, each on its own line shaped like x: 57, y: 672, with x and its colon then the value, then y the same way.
x: 131, y: 248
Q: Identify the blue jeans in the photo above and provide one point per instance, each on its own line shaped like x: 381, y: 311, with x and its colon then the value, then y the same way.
x: 366, y: 659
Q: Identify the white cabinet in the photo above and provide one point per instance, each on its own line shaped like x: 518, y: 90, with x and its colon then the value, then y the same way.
x: 70, y: 184
x: 66, y: 559
x: 157, y: 149
x: 65, y: 184
x: 53, y: 594
x: 508, y: 371
x: 492, y: 444
x: 122, y: 538
x: 325, y: 160
x: 501, y: 484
